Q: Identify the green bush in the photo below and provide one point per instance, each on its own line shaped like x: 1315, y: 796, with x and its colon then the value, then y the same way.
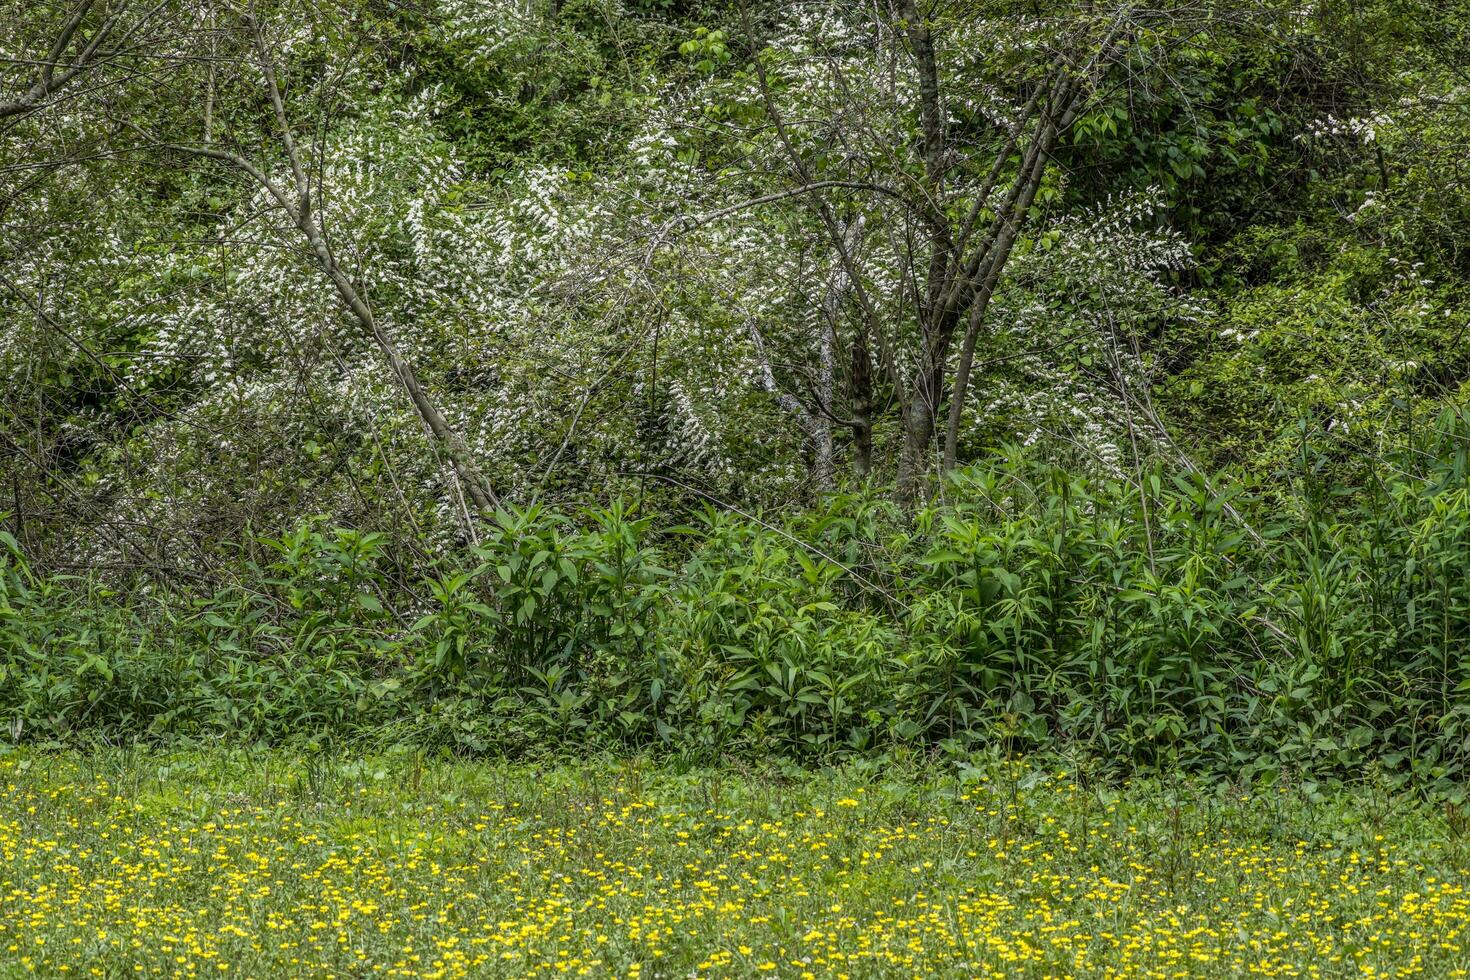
x: 1157, y: 619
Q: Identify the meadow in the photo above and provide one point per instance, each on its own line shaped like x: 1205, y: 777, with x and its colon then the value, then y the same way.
x: 265, y: 863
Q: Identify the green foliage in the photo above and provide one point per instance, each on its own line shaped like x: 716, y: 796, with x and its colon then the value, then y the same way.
x: 1160, y: 621
x: 623, y: 241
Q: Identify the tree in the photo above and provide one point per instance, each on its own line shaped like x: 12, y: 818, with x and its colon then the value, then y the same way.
x: 898, y: 139
x: 307, y: 219
x: 94, y: 32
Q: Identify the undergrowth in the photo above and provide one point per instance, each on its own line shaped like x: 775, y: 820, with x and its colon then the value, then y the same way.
x: 1160, y: 619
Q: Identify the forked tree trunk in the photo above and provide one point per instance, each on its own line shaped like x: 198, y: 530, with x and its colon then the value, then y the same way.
x: 919, y: 413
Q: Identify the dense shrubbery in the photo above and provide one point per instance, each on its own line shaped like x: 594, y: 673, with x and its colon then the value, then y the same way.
x: 1030, y: 608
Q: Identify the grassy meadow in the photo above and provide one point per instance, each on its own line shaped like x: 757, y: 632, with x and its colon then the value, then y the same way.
x: 266, y: 864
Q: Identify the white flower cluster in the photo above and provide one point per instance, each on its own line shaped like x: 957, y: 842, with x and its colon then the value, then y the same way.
x: 1361, y: 129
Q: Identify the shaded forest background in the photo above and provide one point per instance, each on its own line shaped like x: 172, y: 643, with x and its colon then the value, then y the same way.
x: 742, y: 379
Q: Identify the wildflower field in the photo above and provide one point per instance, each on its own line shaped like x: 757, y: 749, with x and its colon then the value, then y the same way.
x: 269, y: 865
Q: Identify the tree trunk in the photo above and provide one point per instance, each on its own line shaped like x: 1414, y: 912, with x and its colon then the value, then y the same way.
x: 994, y: 266
x: 860, y: 397
x: 824, y: 475
x: 919, y: 413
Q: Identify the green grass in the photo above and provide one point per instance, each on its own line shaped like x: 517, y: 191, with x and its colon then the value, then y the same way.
x: 215, y: 863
